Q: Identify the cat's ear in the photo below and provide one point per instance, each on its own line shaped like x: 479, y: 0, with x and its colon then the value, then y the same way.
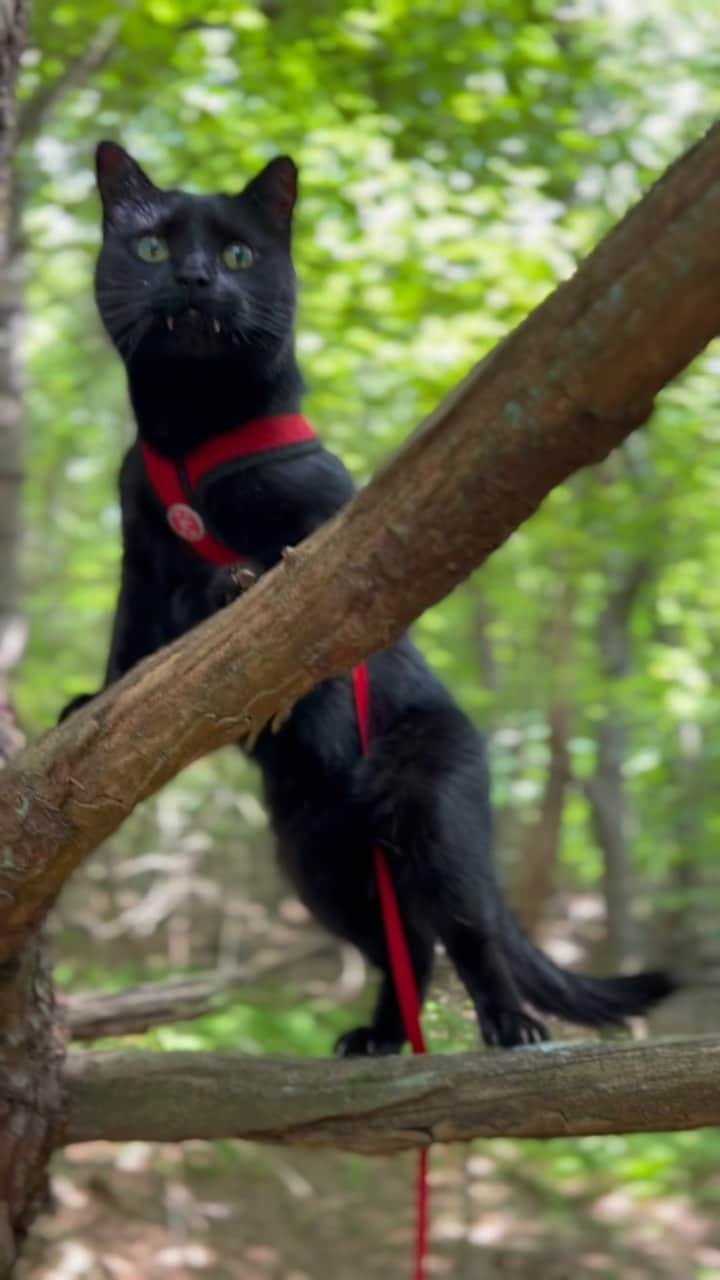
x: 275, y: 191
x: 120, y: 178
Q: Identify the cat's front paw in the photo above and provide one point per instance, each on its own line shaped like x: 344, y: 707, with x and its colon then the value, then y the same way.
x: 230, y: 582
x: 74, y: 705
x: 363, y: 1042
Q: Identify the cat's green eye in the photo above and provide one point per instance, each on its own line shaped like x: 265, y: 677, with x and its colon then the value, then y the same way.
x: 152, y: 249
x: 238, y: 257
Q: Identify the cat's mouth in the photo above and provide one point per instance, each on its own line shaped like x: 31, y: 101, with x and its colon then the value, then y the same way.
x: 193, y: 329
x: 191, y: 318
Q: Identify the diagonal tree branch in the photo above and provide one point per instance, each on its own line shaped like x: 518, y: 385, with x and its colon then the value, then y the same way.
x: 380, y: 1105
x: 559, y: 393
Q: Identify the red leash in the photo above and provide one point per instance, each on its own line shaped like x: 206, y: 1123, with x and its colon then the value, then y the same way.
x: 179, y: 487
x: 401, y: 968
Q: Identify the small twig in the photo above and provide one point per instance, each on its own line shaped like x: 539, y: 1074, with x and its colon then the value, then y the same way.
x: 93, y: 1015
x: 34, y: 112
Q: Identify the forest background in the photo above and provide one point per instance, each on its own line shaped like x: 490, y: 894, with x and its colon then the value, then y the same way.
x: 455, y: 165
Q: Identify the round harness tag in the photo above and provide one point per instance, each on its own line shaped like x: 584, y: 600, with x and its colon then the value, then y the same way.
x: 185, y: 522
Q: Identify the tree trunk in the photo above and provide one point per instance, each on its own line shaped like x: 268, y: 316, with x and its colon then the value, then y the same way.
x: 12, y: 33
x: 532, y: 883
x: 608, y: 813
x: 32, y: 1106
x: 606, y: 789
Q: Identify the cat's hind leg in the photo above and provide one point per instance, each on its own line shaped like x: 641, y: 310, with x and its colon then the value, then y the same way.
x: 333, y: 872
x: 428, y: 793
x: 386, y: 1033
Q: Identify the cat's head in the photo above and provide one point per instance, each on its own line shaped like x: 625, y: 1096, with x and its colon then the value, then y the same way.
x: 184, y: 276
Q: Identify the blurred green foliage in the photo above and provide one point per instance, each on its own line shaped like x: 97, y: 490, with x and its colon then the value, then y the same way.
x: 456, y: 162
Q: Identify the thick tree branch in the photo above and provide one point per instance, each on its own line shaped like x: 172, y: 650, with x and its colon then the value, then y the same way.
x: 566, y: 387
x: 387, y: 1104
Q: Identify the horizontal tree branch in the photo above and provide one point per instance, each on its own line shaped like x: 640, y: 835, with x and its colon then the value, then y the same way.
x: 382, y: 1105
x: 91, y: 1015
x: 566, y: 387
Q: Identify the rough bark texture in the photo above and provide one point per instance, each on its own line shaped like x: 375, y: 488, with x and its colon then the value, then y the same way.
x: 559, y: 393
x: 31, y: 1098
x: 387, y: 1104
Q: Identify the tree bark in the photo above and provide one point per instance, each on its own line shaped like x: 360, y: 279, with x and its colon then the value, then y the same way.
x: 32, y: 1104
x: 566, y: 387
x: 380, y: 1105
x: 32, y: 1099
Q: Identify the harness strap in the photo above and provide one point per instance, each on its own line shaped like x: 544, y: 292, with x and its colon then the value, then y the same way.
x: 400, y: 967
x: 179, y: 485
x: 251, y: 441
x: 183, y: 518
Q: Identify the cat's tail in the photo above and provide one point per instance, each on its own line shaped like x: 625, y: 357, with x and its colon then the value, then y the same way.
x: 576, y: 997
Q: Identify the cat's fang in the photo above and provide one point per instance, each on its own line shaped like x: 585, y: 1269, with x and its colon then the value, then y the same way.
x: 216, y: 326
x: 170, y: 323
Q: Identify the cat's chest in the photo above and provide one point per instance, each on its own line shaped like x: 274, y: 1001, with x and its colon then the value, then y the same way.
x: 259, y: 511
x: 262, y: 509
x: 254, y: 511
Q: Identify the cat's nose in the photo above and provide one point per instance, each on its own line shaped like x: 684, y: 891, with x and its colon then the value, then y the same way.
x: 194, y: 272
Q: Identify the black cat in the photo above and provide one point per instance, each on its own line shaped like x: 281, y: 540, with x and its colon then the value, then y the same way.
x: 197, y: 293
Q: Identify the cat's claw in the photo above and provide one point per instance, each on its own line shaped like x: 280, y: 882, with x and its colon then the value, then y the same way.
x: 508, y: 1028
x: 229, y: 583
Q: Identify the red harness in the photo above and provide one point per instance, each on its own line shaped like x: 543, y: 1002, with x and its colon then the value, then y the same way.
x: 180, y: 488
x: 180, y: 485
